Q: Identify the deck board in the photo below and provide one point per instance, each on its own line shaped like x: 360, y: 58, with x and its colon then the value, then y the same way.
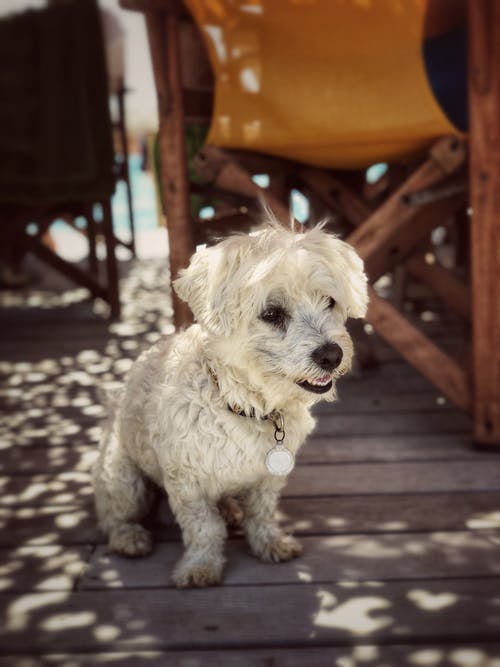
x: 337, y: 558
x: 479, y: 474
x: 320, y: 449
x: 465, y: 654
x: 253, y: 616
x: 399, y: 516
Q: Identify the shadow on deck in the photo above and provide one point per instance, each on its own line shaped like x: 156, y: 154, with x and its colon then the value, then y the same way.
x: 398, y: 514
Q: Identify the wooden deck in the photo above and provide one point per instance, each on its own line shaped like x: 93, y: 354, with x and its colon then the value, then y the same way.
x: 398, y: 513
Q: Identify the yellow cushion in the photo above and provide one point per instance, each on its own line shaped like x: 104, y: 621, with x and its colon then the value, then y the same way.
x: 334, y: 83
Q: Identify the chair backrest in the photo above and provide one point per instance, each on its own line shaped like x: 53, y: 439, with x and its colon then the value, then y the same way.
x: 334, y: 83
x: 55, y: 129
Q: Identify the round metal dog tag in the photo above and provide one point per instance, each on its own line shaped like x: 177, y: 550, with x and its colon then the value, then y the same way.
x: 280, y: 460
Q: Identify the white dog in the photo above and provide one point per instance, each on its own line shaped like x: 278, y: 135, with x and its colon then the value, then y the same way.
x: 222, y: 408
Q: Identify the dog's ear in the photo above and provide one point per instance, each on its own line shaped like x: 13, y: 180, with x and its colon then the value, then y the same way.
x: 349, y: 266
x: 206, y: 286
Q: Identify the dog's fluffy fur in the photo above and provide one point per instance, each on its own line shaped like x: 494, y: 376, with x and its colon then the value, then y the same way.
x: 264, y: 304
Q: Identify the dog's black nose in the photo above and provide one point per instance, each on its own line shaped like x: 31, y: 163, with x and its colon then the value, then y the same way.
x: 328, y: 356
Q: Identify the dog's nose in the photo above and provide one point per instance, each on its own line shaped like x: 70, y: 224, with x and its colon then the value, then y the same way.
x: 328, y: 356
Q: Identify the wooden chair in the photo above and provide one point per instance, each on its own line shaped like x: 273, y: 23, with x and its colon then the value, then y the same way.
x: 384, y: 236
x: 56, y: 139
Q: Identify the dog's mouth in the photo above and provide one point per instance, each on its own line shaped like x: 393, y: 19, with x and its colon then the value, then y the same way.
x: 317, y: 385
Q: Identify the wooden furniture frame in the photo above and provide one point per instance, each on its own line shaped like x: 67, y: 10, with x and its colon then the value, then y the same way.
x: 100, y: 279
x: 387, y: 235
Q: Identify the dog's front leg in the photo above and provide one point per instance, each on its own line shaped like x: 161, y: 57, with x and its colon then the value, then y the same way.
x: 267, y: 541
x: 203, y: 534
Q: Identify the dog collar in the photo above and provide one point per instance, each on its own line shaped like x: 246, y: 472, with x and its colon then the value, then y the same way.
x: 237, y: 409
x: 279, y: 459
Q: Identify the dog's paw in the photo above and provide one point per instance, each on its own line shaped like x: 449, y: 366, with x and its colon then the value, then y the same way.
x: 282, y: 548
x: 197, y: 574
x: 130, y: 539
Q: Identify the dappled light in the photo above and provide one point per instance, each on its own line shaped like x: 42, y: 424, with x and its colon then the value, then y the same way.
x: 359, y: 616
x: 429, y: 602
x: 392, y: 552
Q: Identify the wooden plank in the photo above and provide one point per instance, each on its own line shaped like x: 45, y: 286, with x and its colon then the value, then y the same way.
x: 425, y: 422
x: 398, y: 478
x: 432, y: 362
x: 484, y: 105
x: 42, y: 568
x: 39, y: 448
x: 387, y: 382
x: 76, y: 524
x: 252, y: 616
x: 481, y: 474
x: 459, y: 654
x: 385, y: 513
x: 320, y: 448
x: 40, y: 459
x: 389, y: 401
x: 367, y: 448
x: 337, y: 558
x: 48, y: 525
x: 64, y: 488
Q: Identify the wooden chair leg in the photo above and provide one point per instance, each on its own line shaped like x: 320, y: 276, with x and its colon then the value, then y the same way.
x: 112, y: 286
x: 92, y: 241
x: 484, y: 104
x: 163, y: 34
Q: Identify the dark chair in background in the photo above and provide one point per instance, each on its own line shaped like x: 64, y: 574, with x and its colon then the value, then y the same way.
x: 56, y: 141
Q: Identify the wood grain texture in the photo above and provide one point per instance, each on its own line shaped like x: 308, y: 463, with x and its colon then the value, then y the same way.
x: 163, y: 34
x: 306, y: 480
x: 484, y: 108
x: 454, y: 442
x: 333, y: 558
x: 467, y: 653
x: 42, y: 568
x: 379, y: 513
x: 252, y: 616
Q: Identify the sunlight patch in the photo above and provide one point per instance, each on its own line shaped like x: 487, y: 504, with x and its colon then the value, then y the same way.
x: 429, y: 601
x: 67, y: 620
x: 353, y: 615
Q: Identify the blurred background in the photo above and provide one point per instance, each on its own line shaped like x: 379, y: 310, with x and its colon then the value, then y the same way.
x: 133, y: 114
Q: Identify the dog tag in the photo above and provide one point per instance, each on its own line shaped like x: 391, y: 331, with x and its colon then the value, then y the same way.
x: 280, y: 460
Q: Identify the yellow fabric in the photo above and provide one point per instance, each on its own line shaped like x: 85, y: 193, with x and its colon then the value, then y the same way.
x: 334, y: 83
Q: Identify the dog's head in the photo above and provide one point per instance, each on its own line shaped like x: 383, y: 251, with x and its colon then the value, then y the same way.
x: 275, y: 303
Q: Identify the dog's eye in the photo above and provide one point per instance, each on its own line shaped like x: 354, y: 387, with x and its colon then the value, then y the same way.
x: 274, y: 315
x: 331, y: 303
